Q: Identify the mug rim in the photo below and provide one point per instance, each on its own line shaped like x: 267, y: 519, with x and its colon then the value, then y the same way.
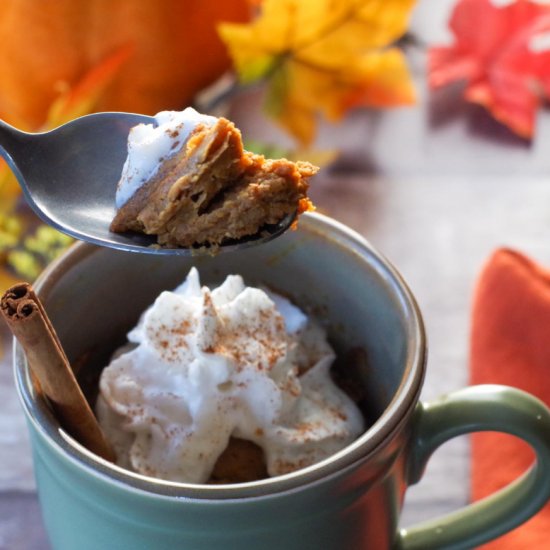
x: 400, y: 406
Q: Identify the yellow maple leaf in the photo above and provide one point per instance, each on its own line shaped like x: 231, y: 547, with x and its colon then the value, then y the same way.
x: 9, y: 189
x: 323, y: 57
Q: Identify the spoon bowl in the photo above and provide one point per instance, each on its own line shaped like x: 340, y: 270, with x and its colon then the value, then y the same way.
x: 69, y: 177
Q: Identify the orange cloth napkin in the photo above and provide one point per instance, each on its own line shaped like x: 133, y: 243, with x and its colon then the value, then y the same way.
x: 510, y: 344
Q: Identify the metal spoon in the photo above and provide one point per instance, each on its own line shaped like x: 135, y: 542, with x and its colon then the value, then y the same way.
x: 69, y: 177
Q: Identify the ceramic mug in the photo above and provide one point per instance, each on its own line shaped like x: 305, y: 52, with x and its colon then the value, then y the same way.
x: 350, y: 501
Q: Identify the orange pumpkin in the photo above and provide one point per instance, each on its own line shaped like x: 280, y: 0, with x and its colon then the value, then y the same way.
x: 47, y: 46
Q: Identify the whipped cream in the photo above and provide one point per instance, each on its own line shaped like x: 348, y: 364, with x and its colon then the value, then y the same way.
x: 210, y: 364
x: 149, y: 145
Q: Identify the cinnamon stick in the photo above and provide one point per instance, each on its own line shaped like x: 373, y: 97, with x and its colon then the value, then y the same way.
x: 48, y: 363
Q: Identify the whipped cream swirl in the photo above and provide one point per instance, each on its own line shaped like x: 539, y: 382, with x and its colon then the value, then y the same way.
x: 149, y: 145
x: 210, y: 364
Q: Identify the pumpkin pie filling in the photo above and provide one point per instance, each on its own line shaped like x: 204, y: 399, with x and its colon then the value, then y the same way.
x: 211, y: 190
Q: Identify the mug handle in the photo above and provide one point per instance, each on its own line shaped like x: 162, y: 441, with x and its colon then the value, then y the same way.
x: 473, y: 409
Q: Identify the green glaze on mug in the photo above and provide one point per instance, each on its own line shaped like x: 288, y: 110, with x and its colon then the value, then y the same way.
x: 350, y: 501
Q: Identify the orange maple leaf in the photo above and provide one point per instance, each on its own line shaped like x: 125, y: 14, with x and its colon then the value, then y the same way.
x: 81, y: 99
x: 323, y: 57
x: 71, y: 103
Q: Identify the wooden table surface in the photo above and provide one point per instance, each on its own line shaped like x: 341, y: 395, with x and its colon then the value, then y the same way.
x: 437, y: 188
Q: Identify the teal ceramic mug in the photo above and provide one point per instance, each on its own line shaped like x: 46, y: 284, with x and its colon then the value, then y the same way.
x: 351, y: 501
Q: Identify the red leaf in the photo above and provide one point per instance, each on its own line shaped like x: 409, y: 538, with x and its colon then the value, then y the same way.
x: 503, y: 53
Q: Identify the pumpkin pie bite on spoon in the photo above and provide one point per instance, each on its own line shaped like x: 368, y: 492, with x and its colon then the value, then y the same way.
x: 187, y: 184
x: 190, y: 182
